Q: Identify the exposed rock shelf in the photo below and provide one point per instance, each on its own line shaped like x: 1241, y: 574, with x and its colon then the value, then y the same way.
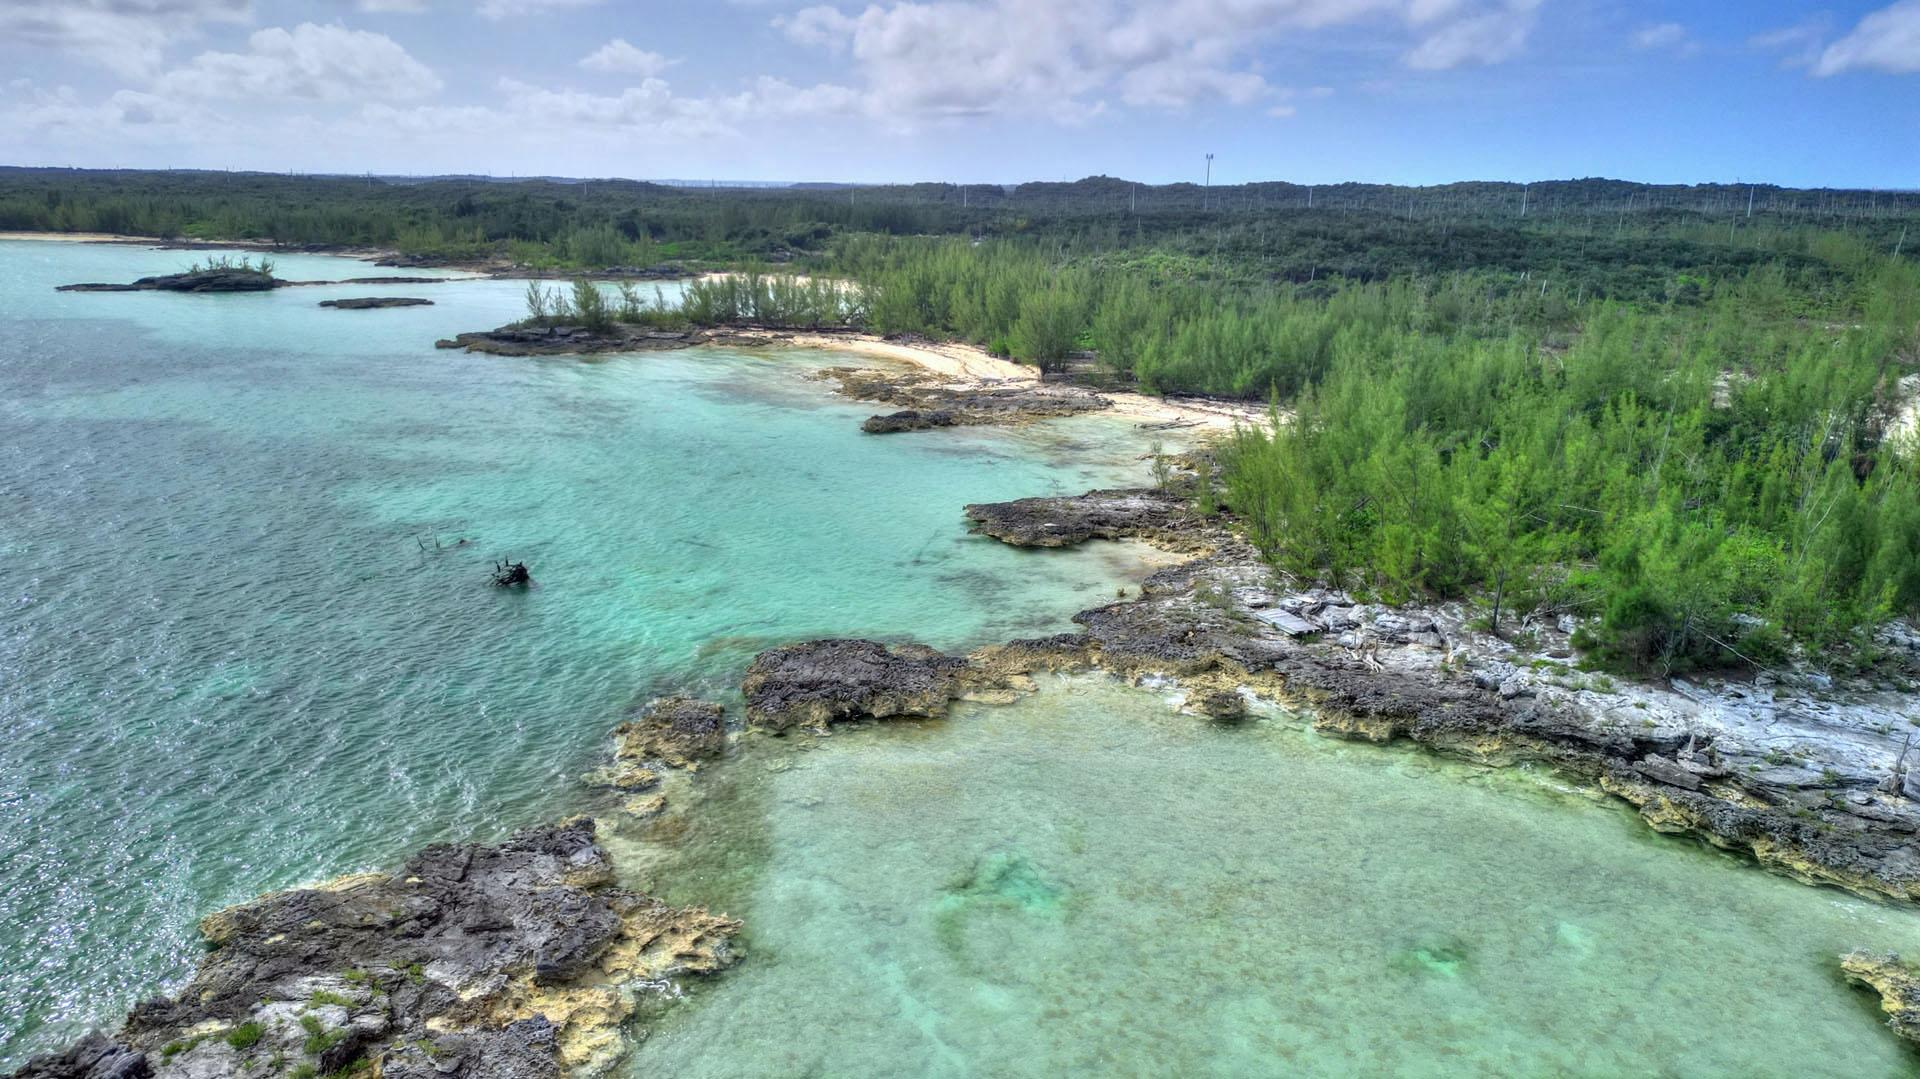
x: 566, y: 340
x: 824, y: 682
x: 1897, y: 983
x: 1135, y: 513
x: 519, y: 960
x: 926, y: 402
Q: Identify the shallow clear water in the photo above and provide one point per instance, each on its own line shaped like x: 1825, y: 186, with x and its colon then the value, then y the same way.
x: 232, y: 658
x: 1085, y: 883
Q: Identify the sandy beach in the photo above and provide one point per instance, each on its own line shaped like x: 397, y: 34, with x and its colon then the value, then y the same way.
x: 81, y: 237
x: 963, y: 363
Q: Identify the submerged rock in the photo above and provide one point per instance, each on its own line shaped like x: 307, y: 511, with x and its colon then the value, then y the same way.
x: 365, y: 303
x: 516, y: 960
x: 822, y: 682
x: 1897, y: 983
x: 907, y: 420
x: 1222, y: 706
x: 677, y: 731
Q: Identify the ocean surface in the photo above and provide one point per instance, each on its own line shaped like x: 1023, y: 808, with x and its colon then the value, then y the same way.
x: 247, y: 641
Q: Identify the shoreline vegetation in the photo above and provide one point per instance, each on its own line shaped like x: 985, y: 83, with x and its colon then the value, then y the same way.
x: 1616, y: 491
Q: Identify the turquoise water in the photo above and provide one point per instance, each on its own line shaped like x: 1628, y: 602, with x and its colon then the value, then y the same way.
x: 1085, y: 883
x: 232, y: 658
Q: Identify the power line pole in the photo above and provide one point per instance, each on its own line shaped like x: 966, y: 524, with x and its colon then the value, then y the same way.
x: 1206, y: 200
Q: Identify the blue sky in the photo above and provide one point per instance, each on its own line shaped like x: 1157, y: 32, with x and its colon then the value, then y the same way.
x: 1403, y: 91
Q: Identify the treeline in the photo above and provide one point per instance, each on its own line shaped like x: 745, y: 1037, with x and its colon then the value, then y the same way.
x: 1714, y: 484
x: 538, y: 223
x: 1163, y: 331
x: 1597, y: 237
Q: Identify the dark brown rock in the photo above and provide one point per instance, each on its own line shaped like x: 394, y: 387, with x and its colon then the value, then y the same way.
x: 823, y: 682
x: 508, y: 961
x: 192, y: 281
x: 1132, y: 513
x: 676, y: 731
x: 366, y: 303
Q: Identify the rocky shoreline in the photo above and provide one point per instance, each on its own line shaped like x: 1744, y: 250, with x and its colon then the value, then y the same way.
x: 519, y: 960
x: 923, y: 401
x: 1805, y: 776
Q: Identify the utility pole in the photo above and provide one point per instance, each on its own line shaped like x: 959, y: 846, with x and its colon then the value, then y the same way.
x: 1309, y: 196
x: 1206, y: 200
x: 1750, y: 201
x: 1524, y: 189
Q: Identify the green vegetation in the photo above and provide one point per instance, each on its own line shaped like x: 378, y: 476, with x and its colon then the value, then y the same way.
x: 1649, y: 406
x: 230, y: 264
x: 319, y: 1039
x: 1711, y: 481
x: 175, y: 1048
x: 246, y: 1035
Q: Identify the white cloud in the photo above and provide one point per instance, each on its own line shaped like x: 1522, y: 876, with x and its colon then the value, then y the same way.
x: 392, y: 7
x: 1069, y: 59
x: 329, y: 63
x: 1799, y: 45
x: 507, y: 9
x: 649, y: 109
x: 1666, y: 37
x: 618, y: 55
x: 1886, y: 40
x: 125, y: 115
x: 1486, y: 38
x: 127, y: 36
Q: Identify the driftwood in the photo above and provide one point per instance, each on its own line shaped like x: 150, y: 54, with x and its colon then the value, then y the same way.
x: 511, y: 575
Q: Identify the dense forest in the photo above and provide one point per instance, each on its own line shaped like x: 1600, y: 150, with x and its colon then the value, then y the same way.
x: 1685, y: 413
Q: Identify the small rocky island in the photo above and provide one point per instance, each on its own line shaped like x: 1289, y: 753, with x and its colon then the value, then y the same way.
x: 519, y: 960
x: 222, y: 279
x: 224, y: 274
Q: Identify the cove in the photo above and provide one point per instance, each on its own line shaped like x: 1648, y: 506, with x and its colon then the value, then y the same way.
x: 242, y: 647
x: 1088, y: 883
